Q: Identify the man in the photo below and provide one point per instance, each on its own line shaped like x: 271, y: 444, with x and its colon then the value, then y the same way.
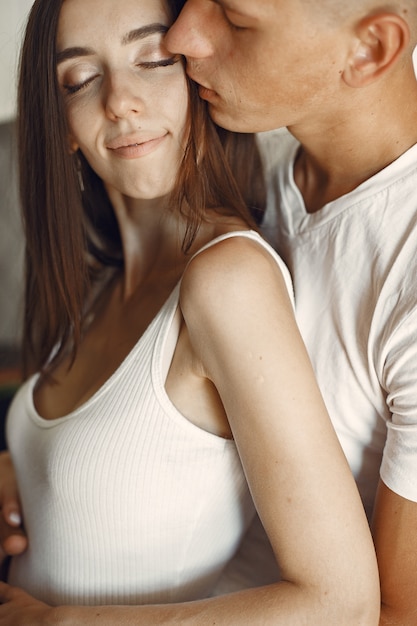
x: 342, y: 213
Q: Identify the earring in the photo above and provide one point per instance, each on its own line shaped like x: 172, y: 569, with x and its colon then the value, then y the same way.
x: 80, y: 174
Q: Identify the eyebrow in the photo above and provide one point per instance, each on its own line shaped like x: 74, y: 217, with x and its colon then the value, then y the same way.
x: 144, y: 31
x: 130, y: 37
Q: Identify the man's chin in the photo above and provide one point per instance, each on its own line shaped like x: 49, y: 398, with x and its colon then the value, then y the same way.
x: 230, y: 120
x: 241, y: 121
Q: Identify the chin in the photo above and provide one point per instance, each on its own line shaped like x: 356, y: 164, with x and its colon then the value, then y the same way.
x: 237, y: 121
x: 225, y: 118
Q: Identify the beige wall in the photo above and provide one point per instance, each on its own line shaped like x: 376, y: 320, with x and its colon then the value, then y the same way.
x: 13, y: 15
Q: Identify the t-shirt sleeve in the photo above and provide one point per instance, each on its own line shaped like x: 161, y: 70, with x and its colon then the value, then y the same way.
x: 399, y: 462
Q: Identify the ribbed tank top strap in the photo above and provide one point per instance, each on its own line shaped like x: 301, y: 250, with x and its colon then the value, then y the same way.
x: 252, y: 234
x: 168, y: 345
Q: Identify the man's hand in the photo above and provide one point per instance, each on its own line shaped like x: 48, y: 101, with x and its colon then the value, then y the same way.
x: 12, y: 537
x: 18, y: 607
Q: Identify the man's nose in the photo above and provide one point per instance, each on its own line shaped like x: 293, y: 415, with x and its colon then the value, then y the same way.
x: 189, y: 33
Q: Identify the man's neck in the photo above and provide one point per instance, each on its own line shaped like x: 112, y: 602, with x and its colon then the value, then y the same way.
x: 321, y: 181
x: 337, y: 156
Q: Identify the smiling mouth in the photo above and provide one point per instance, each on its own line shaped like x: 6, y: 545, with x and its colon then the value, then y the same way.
x: 135, y: 149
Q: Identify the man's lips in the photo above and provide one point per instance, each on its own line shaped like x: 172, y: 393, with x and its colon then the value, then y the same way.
x: 134, y: 146
x: 206, y: 94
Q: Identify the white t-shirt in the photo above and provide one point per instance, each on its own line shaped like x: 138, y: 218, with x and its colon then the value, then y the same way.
x: 354, y: 268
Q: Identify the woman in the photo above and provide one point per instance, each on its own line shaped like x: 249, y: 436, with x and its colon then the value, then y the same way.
x: 168, y: 389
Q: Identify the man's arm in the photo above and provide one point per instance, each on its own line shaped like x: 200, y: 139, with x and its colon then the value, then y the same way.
x: 395, y: 536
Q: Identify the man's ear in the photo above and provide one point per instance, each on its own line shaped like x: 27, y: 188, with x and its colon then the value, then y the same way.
x: 380, y: 41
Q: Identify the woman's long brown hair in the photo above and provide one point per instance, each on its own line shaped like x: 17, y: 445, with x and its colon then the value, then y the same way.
x: 71, y: 235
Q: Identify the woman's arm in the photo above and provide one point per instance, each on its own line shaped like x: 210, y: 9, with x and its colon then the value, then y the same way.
x: 242, y: 331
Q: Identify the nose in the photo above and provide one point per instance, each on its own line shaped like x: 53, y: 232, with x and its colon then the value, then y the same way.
x: 189, y: 35
x: 121, y: 97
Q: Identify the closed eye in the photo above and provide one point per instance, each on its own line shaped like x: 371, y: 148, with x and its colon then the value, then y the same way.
x: 71, y: 89
x: 234, y: 26
x: 150, y: 65
x: 147, y: 65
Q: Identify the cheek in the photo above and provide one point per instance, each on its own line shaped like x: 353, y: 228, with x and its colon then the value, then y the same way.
x: 183, y: 122
x: 77, y: 126
x: 83, y: 111
x: 84, y: 131
x: 177, y: 109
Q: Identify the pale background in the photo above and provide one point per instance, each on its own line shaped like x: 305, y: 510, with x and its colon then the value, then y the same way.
x: 13, y: 14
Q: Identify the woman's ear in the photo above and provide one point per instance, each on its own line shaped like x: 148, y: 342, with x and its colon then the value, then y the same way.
x: 73, y: 145
x: 380, y: 41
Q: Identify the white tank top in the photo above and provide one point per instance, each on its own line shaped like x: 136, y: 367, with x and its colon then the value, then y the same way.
x: 125, y: 501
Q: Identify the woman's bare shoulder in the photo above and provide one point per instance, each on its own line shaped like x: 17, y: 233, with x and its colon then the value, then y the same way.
x: 233, y: 272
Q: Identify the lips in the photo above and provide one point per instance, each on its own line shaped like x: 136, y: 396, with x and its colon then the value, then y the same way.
x: 206, y: 94
x: 133, y: 146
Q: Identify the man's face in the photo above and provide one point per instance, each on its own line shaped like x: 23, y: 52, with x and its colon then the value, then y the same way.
x: 261, y: 64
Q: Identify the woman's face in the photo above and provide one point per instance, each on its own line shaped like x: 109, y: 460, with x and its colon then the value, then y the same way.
x: 126, y: 95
